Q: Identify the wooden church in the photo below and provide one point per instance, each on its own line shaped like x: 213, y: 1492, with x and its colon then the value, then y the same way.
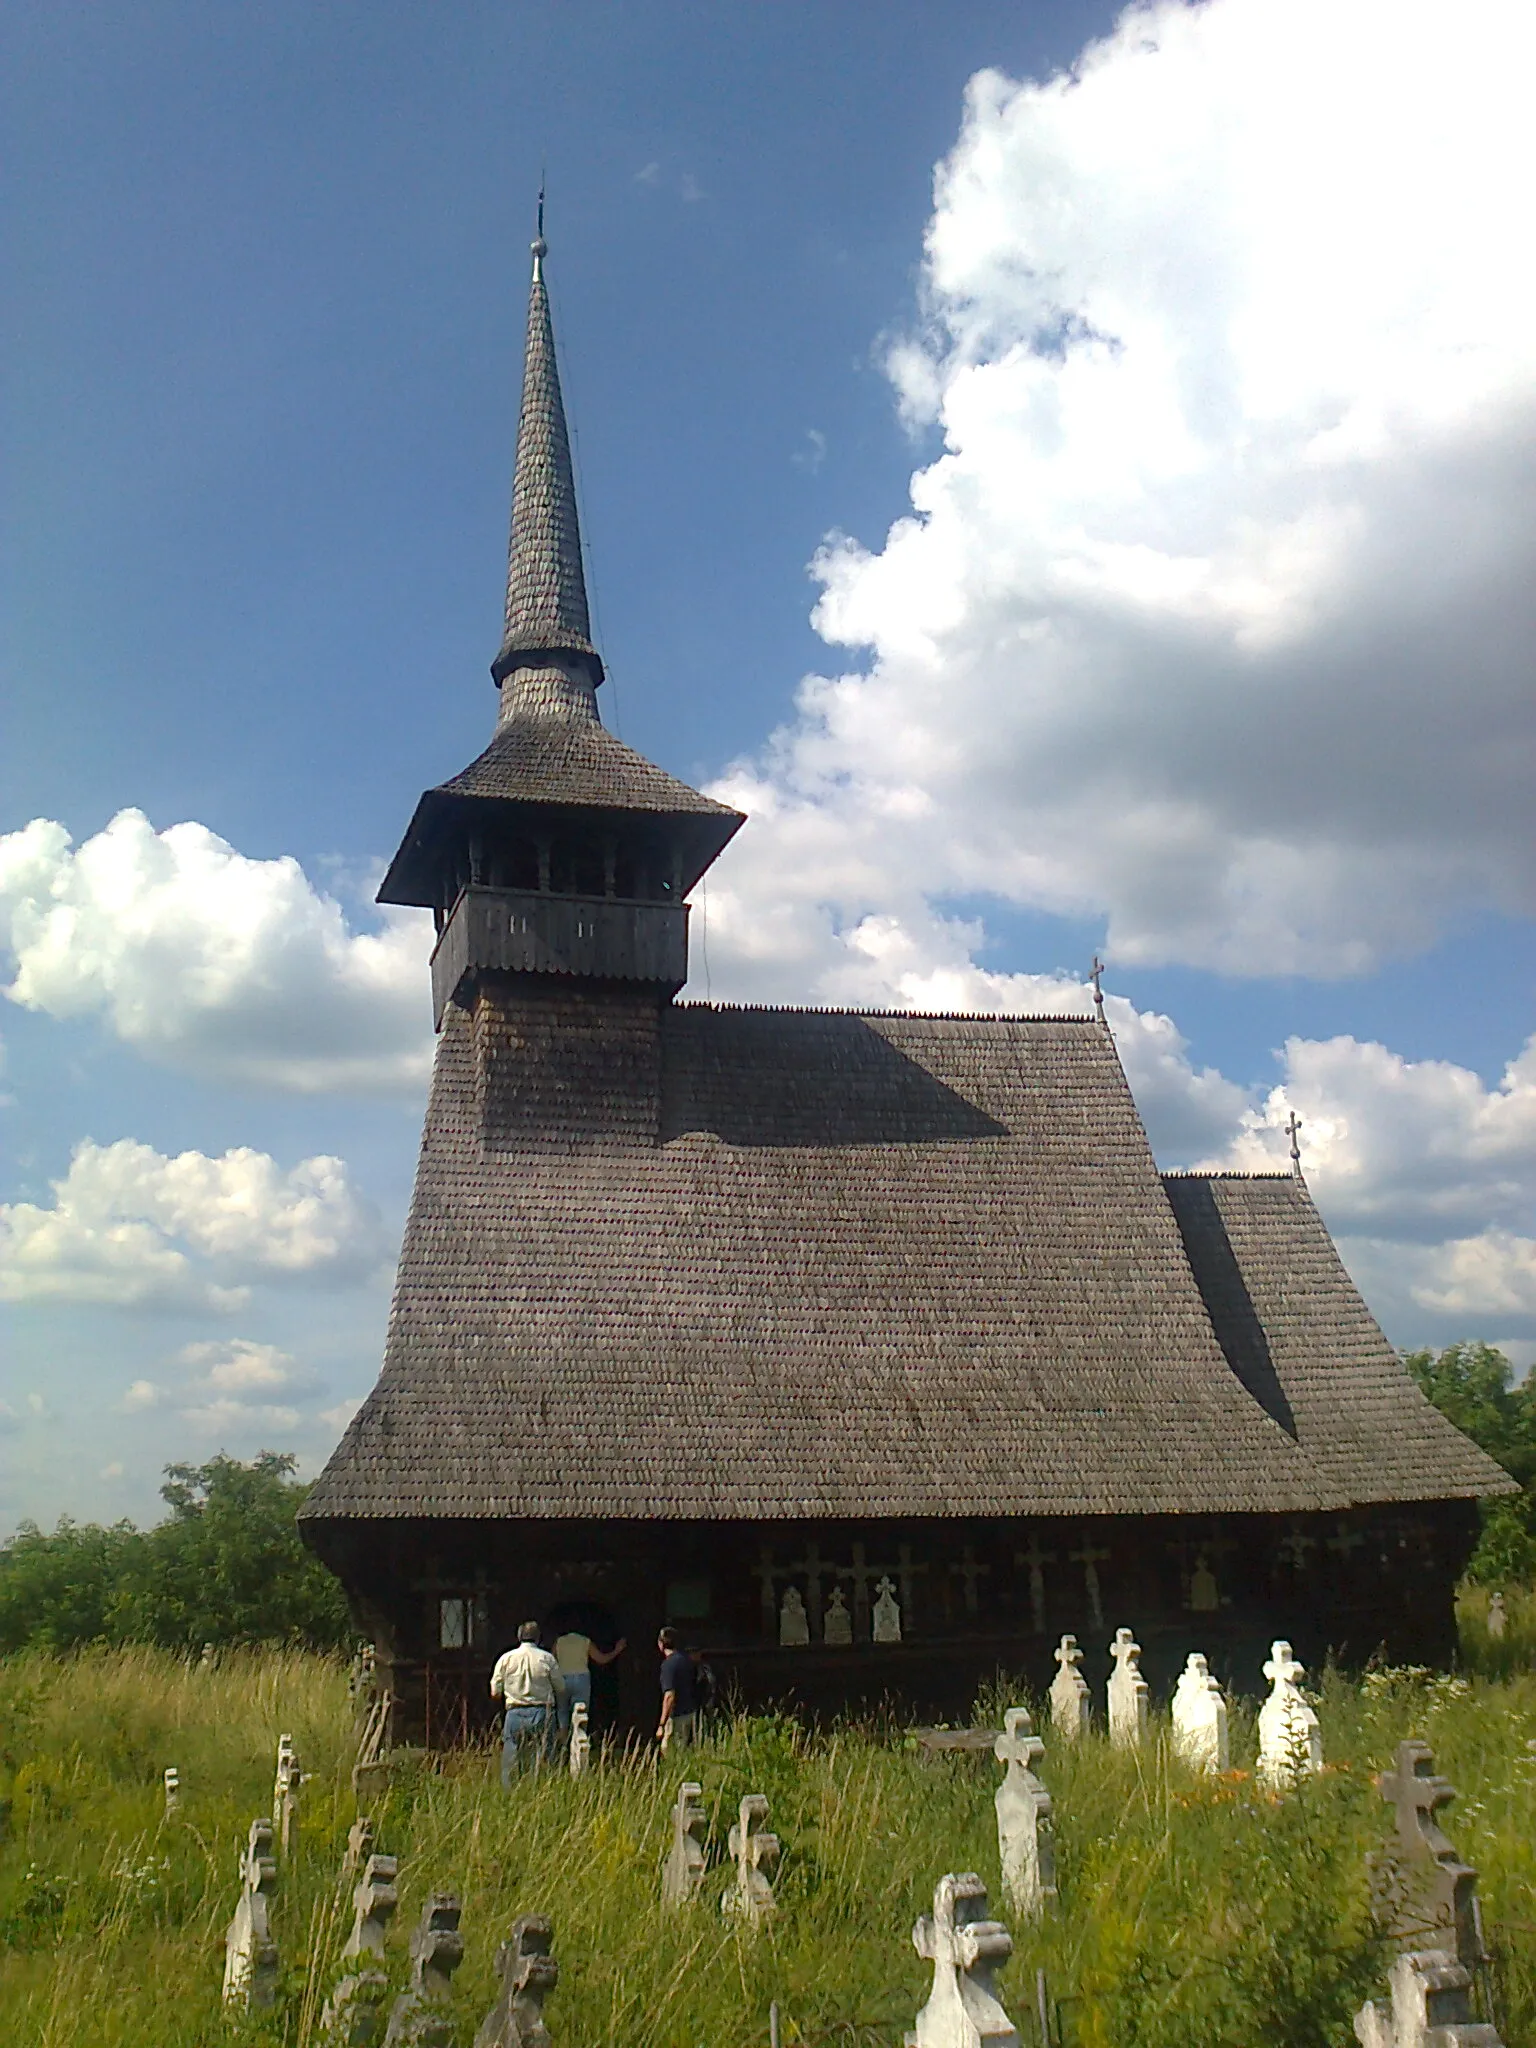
x: 872, y: 1350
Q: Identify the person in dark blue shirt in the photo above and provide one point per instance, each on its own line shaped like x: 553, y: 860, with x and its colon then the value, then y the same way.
x: 679, y: 1700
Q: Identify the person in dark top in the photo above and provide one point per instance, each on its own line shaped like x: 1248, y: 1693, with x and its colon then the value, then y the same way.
x: 679, y: 1701
x: 704, y: 1688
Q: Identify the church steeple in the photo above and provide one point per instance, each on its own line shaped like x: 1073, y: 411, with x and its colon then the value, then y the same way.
x: 546, y: 590
x: 559, y: 852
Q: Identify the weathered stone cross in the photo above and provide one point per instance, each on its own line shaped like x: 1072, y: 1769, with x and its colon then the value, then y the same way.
x: 966, y: 1950
x: 1420, y: 1886
x: 528, y: 1974
x: 1070, y: 1705
x: 1023, y: 1817
x: 750, y: 1899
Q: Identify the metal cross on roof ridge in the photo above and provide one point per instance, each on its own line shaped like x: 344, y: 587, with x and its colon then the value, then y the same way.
x: 1293, y: 1127
x: 1096, y: 976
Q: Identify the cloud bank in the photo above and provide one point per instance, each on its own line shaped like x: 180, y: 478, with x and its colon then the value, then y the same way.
x: 1212, y: 616
x: 131, y: 1228
x: 204, y: 960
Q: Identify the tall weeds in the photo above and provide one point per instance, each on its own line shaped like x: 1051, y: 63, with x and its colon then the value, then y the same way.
x: 1191, y: 1910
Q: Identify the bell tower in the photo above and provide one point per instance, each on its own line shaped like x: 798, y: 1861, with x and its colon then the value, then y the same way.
x: 557, y: 865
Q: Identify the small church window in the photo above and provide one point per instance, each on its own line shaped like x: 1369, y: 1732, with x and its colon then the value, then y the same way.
x: 453, y: 1619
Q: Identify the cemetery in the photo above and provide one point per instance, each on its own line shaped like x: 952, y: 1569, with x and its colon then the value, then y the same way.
x: 228, y: 1850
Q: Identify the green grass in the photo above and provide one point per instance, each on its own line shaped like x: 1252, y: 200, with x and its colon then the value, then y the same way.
x: 1191, y: 1912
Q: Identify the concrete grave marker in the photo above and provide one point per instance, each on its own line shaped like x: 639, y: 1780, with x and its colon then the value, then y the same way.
x: 683, y: 1871
x: 1422, y: 1894
x: 353, y: 2013
x: 749, y: 1898
x: 285, y: 1796
x: 1498, y: 1620
x: 1200, y: 1718
x: 837, y: 1623
x: 172, y: 1788
x: 528, y: 1974
x: 1071, y: 1705
x: 373, y: 1907
x: 966, y: 1949
x: 420, y: 2017
x: 887, y: 1617
x: 250, y: 1953
x: 1431, y: 2007
x: 1129, y: 1694
x: 1290, y: 1741
x: 794, y: 1628
x: 581, y: 1741
x: 1024, y: 1844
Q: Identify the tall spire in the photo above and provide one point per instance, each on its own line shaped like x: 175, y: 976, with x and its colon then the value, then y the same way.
x: 546, y: 591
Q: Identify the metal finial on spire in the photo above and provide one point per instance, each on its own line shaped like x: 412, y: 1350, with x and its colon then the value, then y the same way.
x: 539, y: 245
x: 1293, y: 1129
x: 1096, y: 976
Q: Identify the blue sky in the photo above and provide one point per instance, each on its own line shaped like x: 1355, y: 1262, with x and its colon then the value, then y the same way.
x: 1205, y: 648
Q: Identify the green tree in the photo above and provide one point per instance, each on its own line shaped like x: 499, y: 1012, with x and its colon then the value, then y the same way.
x: 56, y: 1589
x: 1474, y: 1385
x: 225, y: 1566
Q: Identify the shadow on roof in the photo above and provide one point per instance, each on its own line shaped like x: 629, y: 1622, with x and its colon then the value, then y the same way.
x: 1219, y: 1277
x: 782, y: 1078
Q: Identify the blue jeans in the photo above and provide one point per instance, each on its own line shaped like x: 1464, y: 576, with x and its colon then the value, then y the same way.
x: 578, y: 1686
x: 524, y: 1725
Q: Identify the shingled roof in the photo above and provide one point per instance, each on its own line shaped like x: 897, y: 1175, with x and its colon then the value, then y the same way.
x: 870, y: 1266
x: 546, y: 589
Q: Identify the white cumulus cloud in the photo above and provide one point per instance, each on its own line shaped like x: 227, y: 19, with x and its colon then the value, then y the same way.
x: 1212, y: 616
x: 130, y: 1227
x: 201, y: 958
x: 1426, y: 1174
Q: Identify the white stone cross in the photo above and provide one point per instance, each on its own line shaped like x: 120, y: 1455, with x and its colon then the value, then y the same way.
x: 1290, y: 1741
x: 285, y: 1796
x: 1024, y: 1843
x: 1431, y: 2007
x: 250, y: 1954
x: 794, y: 1627
x: 966, y: 1949
x: 750, y: 1898
x: 837, y: 1622
x: 1200, y: 1718
x: 1129, y: 1693
x: 285, y: 1759
x: 581, y: 1741
x: 1497, y: 1619
x: 887, y: 1617
x: 683, y: 1872
x: 172, y: 1788
x: 1071, y: 1706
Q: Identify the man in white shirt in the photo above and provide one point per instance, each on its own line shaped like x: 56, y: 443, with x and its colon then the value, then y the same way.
x: 528, y: 1683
